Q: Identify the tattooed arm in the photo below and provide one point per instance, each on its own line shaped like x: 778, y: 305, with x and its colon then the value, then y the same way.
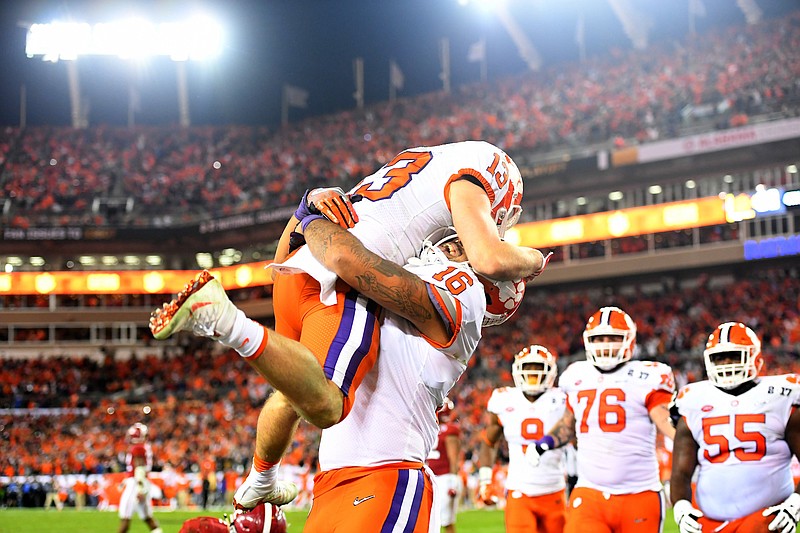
x: 387, y: 283
x: 564, y: 430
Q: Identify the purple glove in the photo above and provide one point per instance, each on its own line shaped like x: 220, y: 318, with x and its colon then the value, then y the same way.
x: 303, y: 210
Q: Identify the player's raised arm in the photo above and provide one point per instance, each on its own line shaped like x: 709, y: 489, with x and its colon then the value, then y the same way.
x: 488, y: 254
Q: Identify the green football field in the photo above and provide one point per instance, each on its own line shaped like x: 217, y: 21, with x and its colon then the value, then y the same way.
x: 71, y: 521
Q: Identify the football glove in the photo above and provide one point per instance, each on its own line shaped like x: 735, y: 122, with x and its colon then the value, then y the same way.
x: 545, y: 260
x: 143, y: 488
x: 334, y: 205
x: 787, y: 514
x: 485, y: 489
x: 534, y: 452
x: 686, y: 516
x: 453, y: 485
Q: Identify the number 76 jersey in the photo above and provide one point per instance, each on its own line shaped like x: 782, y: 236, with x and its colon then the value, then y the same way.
x: 616, y: 437
x: 743, y: 459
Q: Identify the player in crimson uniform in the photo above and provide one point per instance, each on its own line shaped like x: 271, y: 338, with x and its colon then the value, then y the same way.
x: 443, y: 462
x: 614, y: 407
x: 739, y: 432
x: 136, y: 492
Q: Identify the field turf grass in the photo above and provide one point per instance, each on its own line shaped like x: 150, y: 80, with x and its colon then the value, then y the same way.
x: 71, y: 521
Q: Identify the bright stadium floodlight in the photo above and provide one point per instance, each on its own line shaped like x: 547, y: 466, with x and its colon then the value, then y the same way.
x: 199, y: 37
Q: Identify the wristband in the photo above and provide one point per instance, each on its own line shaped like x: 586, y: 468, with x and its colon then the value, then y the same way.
x: 309, y: 219
x: 546, y: 443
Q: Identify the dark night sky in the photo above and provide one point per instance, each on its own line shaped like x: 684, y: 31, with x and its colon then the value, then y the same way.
x: 311, y: 44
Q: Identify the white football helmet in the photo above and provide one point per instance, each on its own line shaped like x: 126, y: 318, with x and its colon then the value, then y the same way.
x: 431, y: 253
x: 605, y: 354
x: 503, y: 298
x: 506, y: 213
x: 732, y: 355
x: 137, y: 433
x: 534, y: 369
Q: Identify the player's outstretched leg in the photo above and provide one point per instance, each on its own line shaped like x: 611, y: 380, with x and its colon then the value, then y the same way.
x: 201, y: 307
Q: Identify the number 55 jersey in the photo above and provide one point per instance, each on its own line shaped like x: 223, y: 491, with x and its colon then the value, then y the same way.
x: 616, y: 437
x: 743, y: 459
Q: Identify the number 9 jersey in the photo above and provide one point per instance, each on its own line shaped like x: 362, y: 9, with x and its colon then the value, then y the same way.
x: 616, y: 436
x: 743, y: 459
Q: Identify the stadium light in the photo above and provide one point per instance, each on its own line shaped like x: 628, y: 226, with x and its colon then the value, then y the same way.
x: 198, y: 37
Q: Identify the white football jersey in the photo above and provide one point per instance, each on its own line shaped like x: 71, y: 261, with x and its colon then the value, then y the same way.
x: 524, y: 422
x: 743, y: 459
x: 616, y: 437
x: 407, y: 200
x: 394, y: 415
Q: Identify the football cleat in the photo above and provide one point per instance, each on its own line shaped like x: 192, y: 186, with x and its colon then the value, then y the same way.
x: 201, y: 307
x: 249, y: 497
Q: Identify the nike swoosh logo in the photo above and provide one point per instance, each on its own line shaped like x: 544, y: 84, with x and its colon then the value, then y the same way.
x: 359, y: 501
x: 198, y: 305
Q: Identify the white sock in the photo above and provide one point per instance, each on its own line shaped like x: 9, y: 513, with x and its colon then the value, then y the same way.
x: 245, y: 336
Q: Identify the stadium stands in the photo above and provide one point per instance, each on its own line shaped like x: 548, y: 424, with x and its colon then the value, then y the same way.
x: 67, y: 414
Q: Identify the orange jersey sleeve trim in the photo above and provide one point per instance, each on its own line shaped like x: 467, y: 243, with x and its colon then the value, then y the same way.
x: 656, y: 398
x: 468, y: 172
x: 453, y: 322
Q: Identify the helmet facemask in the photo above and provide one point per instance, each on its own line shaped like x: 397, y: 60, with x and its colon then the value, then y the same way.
x: 534, y: 370
x: 431, y: 251
x: 620, y: 342
x: 732, y: 355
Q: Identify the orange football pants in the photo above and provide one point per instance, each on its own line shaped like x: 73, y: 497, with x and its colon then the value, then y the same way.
x: 394, y: 497
x: 599, y: 512
x: 752, y: 523
x: 535, y: 514
x: 343, y: 337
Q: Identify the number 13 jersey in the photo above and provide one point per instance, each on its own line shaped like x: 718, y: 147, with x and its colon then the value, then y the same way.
x: 616, y: 437
x: 408, y: 199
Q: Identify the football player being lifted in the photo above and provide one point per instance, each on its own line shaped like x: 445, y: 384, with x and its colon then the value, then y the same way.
x: 614, y: 407
x: 739, y: 432
x: 522, y: 414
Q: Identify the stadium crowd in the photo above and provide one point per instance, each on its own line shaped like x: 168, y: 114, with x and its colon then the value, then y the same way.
x: 202, y: 405
x: 716, y: 80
